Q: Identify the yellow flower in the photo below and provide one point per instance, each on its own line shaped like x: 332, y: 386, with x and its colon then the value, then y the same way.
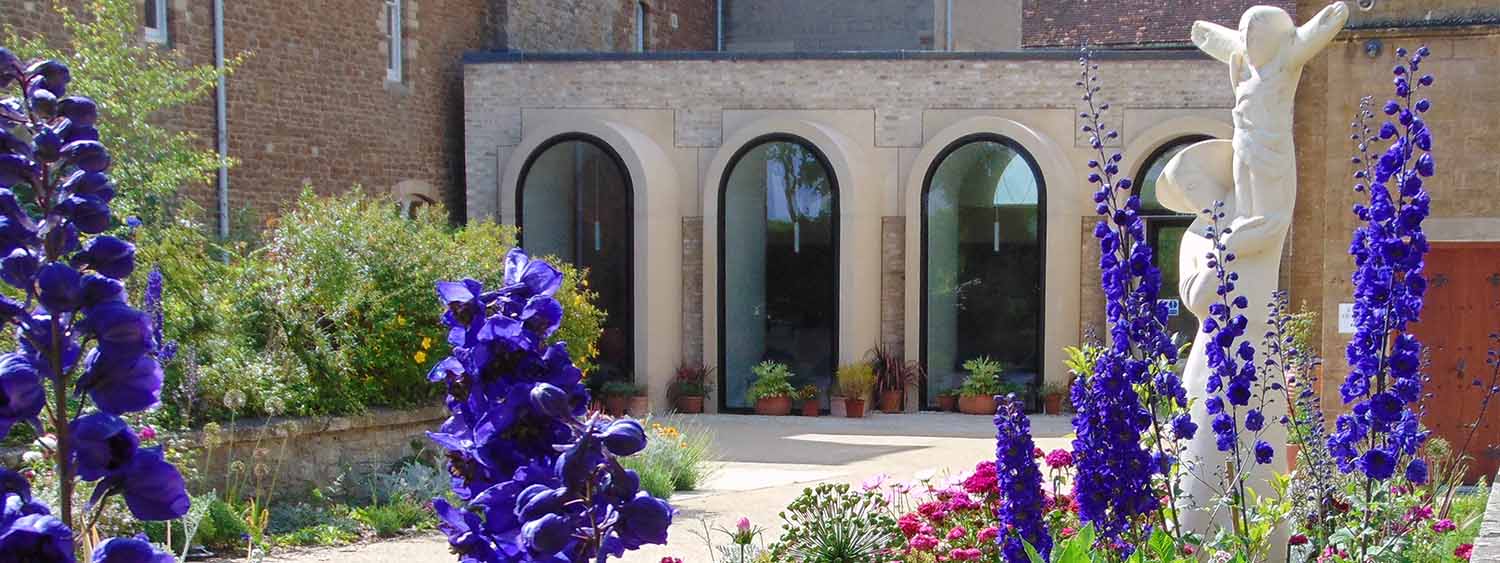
x: 400, y: 320
x: 420, y: 356
x: 426, y: 342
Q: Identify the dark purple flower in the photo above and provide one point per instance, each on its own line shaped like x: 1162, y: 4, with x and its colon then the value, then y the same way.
x: 624, y: 437
x: 1020, y: 482
x: 644, y: 520
x: 19, y: 268
x: 1416, y: 472
x: 1377, y: 464
x: 59, y: 288
x: 107, y: 255
x: 547, y: 535
x: 153, y: 489
x: 1264, y: 453
x: 78, y: 109
x: 121, y: 384
x: 103, y: 444
x: 128, y: 550
x: 34, y: 538
x: 550, y: 400
x: 21, y: 392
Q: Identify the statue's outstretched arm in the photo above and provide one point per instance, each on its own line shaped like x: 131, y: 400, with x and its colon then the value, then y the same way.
x: 1218, y: 41
x: 1317, y: 32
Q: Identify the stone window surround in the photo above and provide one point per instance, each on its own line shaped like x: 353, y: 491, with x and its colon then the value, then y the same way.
x: 158, y: 33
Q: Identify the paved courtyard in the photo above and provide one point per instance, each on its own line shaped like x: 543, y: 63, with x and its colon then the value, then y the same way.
x: 766, y: 462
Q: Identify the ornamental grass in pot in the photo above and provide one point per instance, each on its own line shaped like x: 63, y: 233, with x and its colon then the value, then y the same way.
x: 977, y: 394
x: 893, y: 375
x: 772, y: 389
x: 856, y: 381
x: 690, y: 386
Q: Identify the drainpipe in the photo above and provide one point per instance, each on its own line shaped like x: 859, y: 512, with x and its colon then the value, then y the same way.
x: 222, y: 121
x: 719, y: 25
x: 948, y: 25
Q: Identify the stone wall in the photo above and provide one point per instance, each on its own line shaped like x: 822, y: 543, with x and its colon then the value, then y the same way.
x: 692, y: 290
x: 1464, y: 97
x: 1049, y: 23
x: 825, y: 25
x: 1487, y: 545
x: 314, y: 452
x: 893, y: 282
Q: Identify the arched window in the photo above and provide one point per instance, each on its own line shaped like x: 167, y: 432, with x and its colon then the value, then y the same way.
x: 574, y: 200
x: 1164, y: 230
x: 778, y: 265
x: 983, y: 227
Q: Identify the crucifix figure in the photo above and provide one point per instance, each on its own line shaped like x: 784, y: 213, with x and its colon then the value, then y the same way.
x: 1255, y: 177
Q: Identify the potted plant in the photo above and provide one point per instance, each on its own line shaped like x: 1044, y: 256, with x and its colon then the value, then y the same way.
x: 690, y: 386
x: 640, y: 402
x: 948, y: 400
x: 617, y: 393
x: 1052, y: 397
x: 977, y: 394
x: 808, y: 394
x: 855, y: 382
x: 892, y: 376
x: 772, y: 389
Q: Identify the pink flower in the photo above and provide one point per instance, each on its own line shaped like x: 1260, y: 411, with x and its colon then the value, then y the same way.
x: 1297, y: 539
x: 934, y: 511
x: 1444, y: 526
x: 874, y: 482
x: 1036, y: 453
x: 1068, y: 532
x: 922, y: 542
x: 670, y: 560
x: 989, y: 534
x: 147, y: 433
x: 1059, y: 459
x: 1418, y: 513
x: 984, y: 480
x: 957, y: 533
x: 910, y: 524
x: 743, y: 525
x: 1464, y: 551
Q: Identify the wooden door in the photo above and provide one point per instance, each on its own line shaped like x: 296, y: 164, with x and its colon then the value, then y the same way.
x: 1462, y: 310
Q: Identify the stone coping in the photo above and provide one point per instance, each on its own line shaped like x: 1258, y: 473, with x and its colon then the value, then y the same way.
x: 1172, y: 53
x: 249, y: 430
x: 1487, y: 545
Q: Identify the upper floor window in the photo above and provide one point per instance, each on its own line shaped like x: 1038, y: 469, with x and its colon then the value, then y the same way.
x: 393, y: 34
x: 155, y: 20
x: 642, y: 21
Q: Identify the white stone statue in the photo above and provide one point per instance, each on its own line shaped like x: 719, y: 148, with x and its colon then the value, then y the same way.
x: 1255, y: 176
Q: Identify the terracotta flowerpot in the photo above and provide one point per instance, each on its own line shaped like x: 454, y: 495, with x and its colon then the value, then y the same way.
x: 855, y: 408
x: 947, y: 403
x: 773, y: 406
x: 1291, y: 456
x: 1054, y: 403
x: 890, y: 401
x: 689, y: 405
x: 615, y: 405
x: 978, y: 404
x: 640, y: 406
x: 810, y: 407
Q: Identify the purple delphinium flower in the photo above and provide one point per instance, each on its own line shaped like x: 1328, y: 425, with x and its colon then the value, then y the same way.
x: 1385, y: 379
x: 538, y: 481
x: 55, y: 199
x: 128, y: 550
x: 1114, y: 479
x: 1020, y: 485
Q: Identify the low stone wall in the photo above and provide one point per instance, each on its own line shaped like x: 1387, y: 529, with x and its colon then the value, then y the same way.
x: 318, y: 450
x: 1487, y: 546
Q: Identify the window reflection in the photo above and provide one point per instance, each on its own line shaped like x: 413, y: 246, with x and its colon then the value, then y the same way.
x: 982, y: 259
x: 575, y: 204
x: 1164, y: 230
x: 778, y: 260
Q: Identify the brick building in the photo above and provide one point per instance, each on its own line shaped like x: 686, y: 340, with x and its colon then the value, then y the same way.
x: 320, y: 99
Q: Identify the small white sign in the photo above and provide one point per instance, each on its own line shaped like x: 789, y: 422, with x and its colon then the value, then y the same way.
x: 1174, y: 307
x: 1346, y: 318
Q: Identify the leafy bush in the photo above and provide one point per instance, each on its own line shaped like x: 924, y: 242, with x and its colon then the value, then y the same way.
x: 332, y: 315
x: 772, y: 379
x: 984, y: 378
x: 393, y: 518
x: 856, y: 380
x: 678, y: 457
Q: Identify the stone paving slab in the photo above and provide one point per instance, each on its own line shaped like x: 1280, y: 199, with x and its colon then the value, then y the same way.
x: 767, y: 461
x: 1487, y: 546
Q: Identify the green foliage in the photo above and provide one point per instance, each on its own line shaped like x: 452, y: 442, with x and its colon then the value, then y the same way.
x: 772, y: 379
x: 856, y: 380
x: 135, y: 86
x: 393, y: 518
x: 222, y: 527
x: 832, y: 523
x: 333, y: 315
x: 679, y: 456
x: 621, y: 388
x: 319, y: 535
x: 1303, y: 326
x: 983, y: 379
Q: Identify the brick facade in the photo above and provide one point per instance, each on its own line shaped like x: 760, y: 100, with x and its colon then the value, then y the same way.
x: 796, y: 25
x: 608, y: 25
x: 1071, y: 23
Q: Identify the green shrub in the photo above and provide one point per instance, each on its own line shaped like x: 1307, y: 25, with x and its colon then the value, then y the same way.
x: 221, y: 528
x: 334, y: 314
x: 393, y: 518
x: 984, y: 378
x: 678, y: 457
x: 319, y: 535
x: 772, y: 380
x: 831, y: 522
